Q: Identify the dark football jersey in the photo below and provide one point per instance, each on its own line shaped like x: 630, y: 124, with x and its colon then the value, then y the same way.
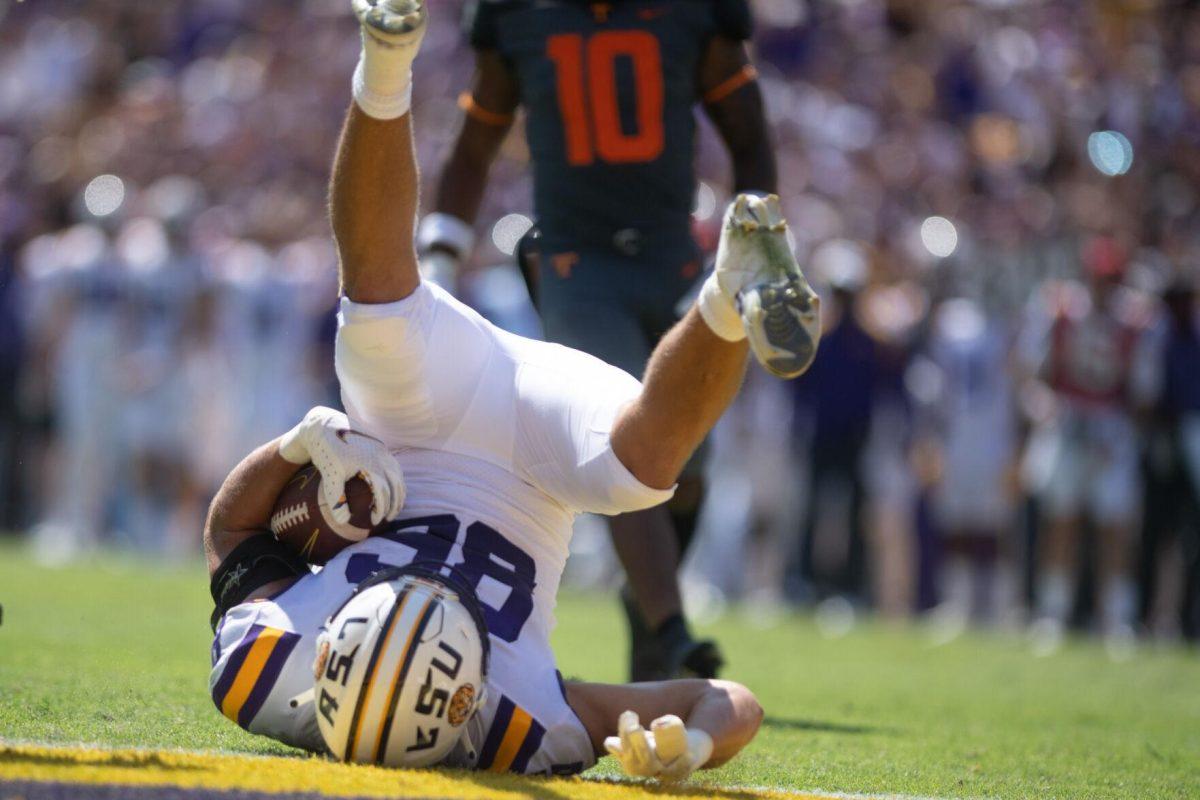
x: 609, y: 91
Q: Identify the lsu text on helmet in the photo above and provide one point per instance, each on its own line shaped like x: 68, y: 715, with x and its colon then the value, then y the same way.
x: 400, y: 669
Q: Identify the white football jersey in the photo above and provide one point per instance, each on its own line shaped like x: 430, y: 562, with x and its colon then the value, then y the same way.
x: 503, y: 440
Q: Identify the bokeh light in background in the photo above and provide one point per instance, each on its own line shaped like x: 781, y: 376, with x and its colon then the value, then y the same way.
x: 1110, y: 152
x: 841, y: 264
x: 782, y: 13
x: 939, y: 236
x: 104, y: 195
x: 508, y: 230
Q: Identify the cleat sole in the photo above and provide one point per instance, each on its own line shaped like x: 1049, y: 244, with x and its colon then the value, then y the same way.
x: 773, y: 315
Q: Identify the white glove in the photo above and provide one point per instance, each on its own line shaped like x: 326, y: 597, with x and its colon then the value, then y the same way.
x: 668, y: 751
x: 324, y: 437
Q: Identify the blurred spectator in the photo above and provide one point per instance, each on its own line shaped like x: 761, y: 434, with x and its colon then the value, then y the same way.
x: 1172, y: 510
x: 12, y: 353
x: 895, y: 527
x: 1082, y: 341
x: 969, y: 424
x: 747, y: 528
x: 834, y: 401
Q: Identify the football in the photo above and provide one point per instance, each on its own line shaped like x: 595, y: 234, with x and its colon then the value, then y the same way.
x: 302, y: 519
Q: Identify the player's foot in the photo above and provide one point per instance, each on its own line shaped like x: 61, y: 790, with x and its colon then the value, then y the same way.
x: 668, y: 653
x: 701, y: 659
x: 392, y: 23
x: 647, y: 662
x: 392, y: 31
x: 757, y: 270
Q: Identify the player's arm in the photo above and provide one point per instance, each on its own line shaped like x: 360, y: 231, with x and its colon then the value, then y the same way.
x: 726, y: 713
x: 244, y: 561
x: 373, y: 192
x: 488, y: 113
x: 242, y: 507
x: 733, y: 101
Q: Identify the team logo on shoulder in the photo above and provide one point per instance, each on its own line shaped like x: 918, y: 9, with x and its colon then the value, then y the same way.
x: 322, y: 659
x: 461, y: 705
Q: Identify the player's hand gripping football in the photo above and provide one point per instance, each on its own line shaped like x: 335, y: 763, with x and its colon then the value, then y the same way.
x: 325, y: 438
x: 668, y: 751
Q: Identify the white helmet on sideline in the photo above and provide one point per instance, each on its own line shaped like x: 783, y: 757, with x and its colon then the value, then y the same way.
x: 400, y: 668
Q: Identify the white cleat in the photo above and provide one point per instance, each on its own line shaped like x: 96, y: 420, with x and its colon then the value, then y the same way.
x: 756, y: 269
x: 393, y: 23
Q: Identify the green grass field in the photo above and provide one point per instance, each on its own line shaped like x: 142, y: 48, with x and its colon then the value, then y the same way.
x: 115, y: 653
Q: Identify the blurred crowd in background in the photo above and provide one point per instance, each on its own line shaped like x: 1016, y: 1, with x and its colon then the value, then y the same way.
x: 998, y: 201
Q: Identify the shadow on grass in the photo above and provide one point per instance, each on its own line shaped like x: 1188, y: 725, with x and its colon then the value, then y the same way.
x: 541, y: 788
x: 822, y: 726
x: 94, y: 758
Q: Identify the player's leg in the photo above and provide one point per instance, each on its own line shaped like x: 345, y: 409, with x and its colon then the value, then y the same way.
x: 1061, y: 501
x: 1056, y: 584
x: 1118, y: 595
x: 373, y: 193
x: 1114, y: 502
x: 697, y: 368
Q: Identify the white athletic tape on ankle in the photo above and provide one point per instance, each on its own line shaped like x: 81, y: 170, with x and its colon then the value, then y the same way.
x: 378, y: 105
x: 719, y: 312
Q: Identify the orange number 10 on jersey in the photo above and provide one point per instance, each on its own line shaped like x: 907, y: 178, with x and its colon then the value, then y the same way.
x: 587, y: 96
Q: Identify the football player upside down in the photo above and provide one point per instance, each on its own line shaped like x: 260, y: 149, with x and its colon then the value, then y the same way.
x: 427, y: 642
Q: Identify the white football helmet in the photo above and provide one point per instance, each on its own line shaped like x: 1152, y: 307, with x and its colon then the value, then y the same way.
x: 400, y: 669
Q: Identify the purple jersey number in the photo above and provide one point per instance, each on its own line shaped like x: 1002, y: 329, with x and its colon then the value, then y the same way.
x: 486, y: 554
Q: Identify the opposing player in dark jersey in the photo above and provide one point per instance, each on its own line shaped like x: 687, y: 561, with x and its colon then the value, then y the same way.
x: 609, y: 91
